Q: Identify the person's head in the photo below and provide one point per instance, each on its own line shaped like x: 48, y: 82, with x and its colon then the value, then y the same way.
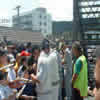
x: 29, y: 45
x: 46, y: 46
x: 10, y: 47
x: 77, y: 49
x: 24, y: 61
x: 3, y: 57
x: 10, y: 50
x: 35, y: 51
x: 31, y: 63
x: 64, y: 46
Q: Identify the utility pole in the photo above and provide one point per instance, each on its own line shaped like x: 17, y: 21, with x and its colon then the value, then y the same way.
x: 18, y: 15
x: 18, y: 10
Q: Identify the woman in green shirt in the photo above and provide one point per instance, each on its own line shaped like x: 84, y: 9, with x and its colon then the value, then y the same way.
x: 79, y: 79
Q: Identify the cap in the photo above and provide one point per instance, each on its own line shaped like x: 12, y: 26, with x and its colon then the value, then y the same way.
x: 25, y: 53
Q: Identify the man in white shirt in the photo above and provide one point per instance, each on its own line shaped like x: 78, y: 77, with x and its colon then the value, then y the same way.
x: 43, y: 77
x: 55, y: 77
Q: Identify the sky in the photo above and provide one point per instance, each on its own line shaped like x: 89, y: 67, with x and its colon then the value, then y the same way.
x: 61, y: 10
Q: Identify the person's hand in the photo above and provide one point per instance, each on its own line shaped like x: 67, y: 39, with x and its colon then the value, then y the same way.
x: 94, y: 91
x: 34, y: 78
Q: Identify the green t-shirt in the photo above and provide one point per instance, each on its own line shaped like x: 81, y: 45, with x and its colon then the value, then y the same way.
x: 78, y: 66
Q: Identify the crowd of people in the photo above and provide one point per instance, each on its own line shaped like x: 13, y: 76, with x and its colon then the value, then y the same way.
x: 46, y: 72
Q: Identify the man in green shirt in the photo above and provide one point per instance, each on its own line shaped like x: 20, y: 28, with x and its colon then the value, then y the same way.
x: 79, y: 79
x: 78, y: 66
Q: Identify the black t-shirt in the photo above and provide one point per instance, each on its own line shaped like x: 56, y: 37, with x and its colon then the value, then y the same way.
x: 30, y: 88
x: 32, y: 61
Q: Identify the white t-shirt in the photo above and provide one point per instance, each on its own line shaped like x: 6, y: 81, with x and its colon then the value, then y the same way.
x: 43, y: 74
x: 53, y: 62
x: 11, y: 74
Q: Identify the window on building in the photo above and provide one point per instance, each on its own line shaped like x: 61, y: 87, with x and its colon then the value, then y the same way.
x: 40, y: 30
x: 40, y: 16
x: 45, y: 24
x: 45, y: 17
x: 45, y: 31
x: 93, y: 36
x: 40, y: 23
x: 85, y: 37
x: 99, y: 36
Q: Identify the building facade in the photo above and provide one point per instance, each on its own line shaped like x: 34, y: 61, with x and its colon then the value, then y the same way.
x: 36, y: 20
x: 20, y: 35
x: 87, y: 25
x: 87, y: 19
x: 62, y: 29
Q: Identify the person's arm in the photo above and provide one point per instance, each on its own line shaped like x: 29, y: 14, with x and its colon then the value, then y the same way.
x: 42, y: 70
x: 18, y: 59
x: 34, y: 78
x: 40, y: 73
x: 97, y: 73
x: 78, y: 67
x: 66, y: 57
x: 35, y: 67
x: 74, y: 77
